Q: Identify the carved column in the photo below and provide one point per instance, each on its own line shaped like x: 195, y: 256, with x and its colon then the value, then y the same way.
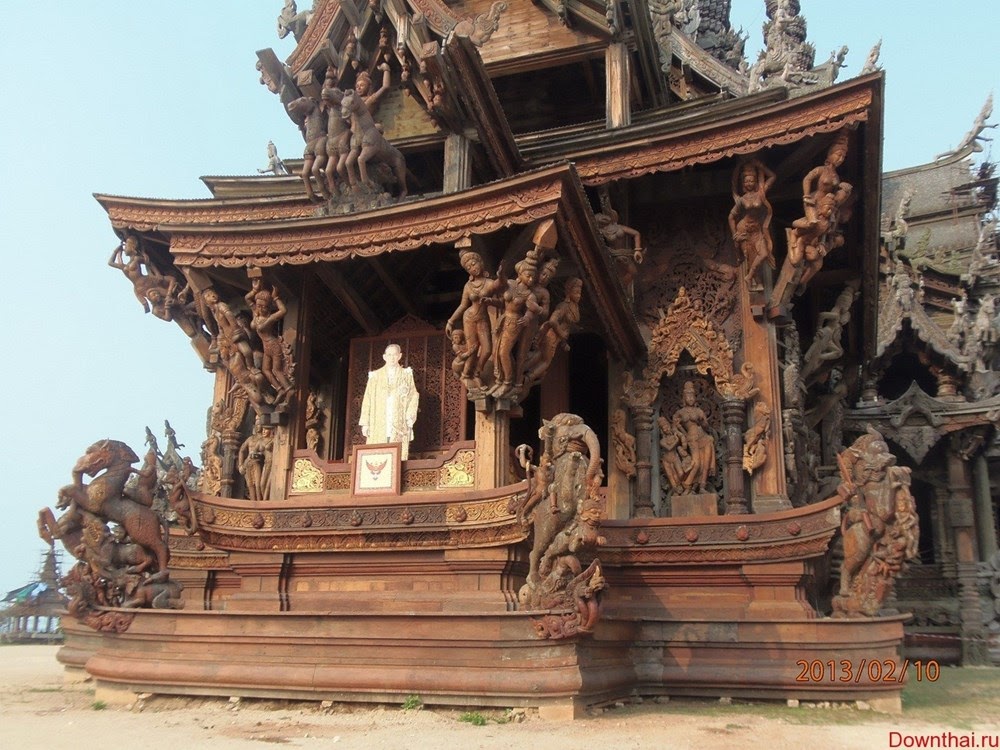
x: 618, y: 112
x: 961, y: 518
x: 760, y: 348
x: 642, y: 418
x: 984, y: 509
x: 734, y: 417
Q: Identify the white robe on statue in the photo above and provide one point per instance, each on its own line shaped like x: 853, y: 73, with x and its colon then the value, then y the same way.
x: 389, y: 407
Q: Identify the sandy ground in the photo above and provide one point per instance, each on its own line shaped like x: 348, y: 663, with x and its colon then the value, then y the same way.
x: 39, y: 709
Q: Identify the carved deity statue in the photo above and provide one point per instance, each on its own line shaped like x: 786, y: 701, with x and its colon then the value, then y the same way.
x: 255, y: 459
x: 624, y: 444
x: 520, y: 307
x: 826, y: 200
x: 268, y: 312
x: 624, y: 243
x: 232, y: 341
x: 750, y: 217
x: 756, y: 437
x: 149, y: 286
x: 473, y: 312
x: 564, y: 510
x: 695, y: 442
x: 554, y: 332
x: 389, y: 407
x: 879, y: 525
x: 275, y: 165
x: 826, y: 346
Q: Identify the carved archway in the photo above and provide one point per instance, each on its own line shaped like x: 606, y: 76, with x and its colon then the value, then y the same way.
x: 684, y: 327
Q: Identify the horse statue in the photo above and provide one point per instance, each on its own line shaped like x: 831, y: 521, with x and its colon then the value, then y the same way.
x: 311, y: 119
x: 110, y: 463
x: 338, y: 140
x: 368, y: 143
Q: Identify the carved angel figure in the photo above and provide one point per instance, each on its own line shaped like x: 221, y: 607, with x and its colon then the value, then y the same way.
x: 691, y: 425
x: 473, y: 312
x: 750, y: 217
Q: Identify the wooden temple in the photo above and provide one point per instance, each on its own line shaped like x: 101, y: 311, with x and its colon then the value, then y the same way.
x: 615, y: 283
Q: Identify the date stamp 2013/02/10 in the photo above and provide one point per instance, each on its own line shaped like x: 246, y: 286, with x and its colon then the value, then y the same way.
x: 866, y: 670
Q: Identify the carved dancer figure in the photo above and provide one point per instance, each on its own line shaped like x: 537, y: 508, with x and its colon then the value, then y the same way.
x: 312, y: 121
x: 755, y: 439
x: 824, y: 180
x: 563, y: 527
x: 367, y: 141
x: 528, y: 341
x: 692, y: 427
x: 879, y: 525
x: 389, y: 407
x: 750, y: 217
x: 554, y: 333
x: 268, y: 312
x: 255, y: 458
x: 826, y: 346
x: 473, y: 311
x: 129, y: 258
x: 624, y: 243
x: 520, y: 306
x: 674, y: 457
x: 232, y: 340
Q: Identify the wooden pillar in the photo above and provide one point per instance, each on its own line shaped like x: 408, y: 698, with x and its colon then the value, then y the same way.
x: 760, y: 348
x: 618, y: 502
x: 457, y: 163
x: 986, y: 523
x: 962, y: 520
x: 642, y: 418
x: 734, y: 418
x: 618, y: 106
x: 492, y: 447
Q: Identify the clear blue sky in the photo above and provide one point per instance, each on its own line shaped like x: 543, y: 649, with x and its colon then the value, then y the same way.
x: 129, y: 98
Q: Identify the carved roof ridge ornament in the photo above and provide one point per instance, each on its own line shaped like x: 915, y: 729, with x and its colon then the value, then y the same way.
x: 684, y: 327
x: 901, y: 303
x: 970, y: 142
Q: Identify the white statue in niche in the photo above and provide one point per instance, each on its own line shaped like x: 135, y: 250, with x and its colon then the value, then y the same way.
x: 389, y: 407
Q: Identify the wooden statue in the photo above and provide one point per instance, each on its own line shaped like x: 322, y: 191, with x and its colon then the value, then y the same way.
x: 564, y: 513
x: 367, y: 141
x: 554, y: 332
x: 519, y: 307
x: 126, y: 567
x: 756, y: 437
x: 150, y: 287
x: 312, y: 121
x: 879, y: 525
x: 750, y: 217
x: 268, y: 311
x: 338, y: 136
x: 473, y: 312
x: 624, y: 444
x: 692, y: 428
x: 623, y: 243
x: 255, y: 460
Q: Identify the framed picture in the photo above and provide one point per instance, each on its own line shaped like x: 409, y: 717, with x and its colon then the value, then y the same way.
x: 376, y: 469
